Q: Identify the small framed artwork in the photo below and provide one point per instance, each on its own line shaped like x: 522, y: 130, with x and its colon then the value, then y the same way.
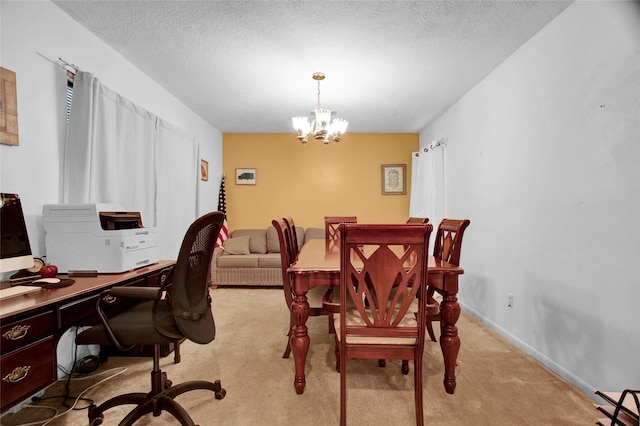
x: 204, y: 170
x: 394, y: 179
x: 8, y: 108
x: 245, y: 176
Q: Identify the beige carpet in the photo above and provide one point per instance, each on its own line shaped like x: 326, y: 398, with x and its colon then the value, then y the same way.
x: 496, y: 383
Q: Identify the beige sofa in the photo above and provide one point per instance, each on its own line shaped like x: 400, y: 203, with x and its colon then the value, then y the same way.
x: 251, y: 257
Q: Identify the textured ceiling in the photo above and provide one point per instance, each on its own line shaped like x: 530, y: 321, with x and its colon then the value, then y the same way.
x: 245, y: 66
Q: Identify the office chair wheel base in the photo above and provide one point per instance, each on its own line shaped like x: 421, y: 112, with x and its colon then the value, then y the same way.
x: 219, y: 391
x: 95, y: 419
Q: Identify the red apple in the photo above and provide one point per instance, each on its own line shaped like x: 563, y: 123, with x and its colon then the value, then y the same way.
x: 49, y: 271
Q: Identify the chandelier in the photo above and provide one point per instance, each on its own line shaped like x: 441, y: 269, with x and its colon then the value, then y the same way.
x: 322, y: 126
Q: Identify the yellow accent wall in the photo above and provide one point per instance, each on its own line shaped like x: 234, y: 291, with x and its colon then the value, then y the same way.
x: 308, y: 182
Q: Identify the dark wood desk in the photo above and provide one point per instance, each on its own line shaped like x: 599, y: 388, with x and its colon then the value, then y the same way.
x: 32, y: 324
x: 318, y: 267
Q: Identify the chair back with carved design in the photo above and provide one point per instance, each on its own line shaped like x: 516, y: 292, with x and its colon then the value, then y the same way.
x: 448, y: 243
x: 447, y: 246
x: 315, y: 296
x: 418, y: 220
x: 383, y: 274
x: 285, y: 257
x: 294, y: 238
x: 332, y: 231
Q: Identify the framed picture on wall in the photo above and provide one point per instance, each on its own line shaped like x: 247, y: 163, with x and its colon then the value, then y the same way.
x: 204, y: 170
x: 245, y: 176
x: 394, y: 179
x: 8, y: 107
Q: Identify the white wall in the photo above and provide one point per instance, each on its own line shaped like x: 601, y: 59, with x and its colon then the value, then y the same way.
x: 543, y: 157
x: 34, y: 34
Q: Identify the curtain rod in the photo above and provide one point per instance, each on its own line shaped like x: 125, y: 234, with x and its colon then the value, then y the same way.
x: 67, y: 64
x: 435, y: 144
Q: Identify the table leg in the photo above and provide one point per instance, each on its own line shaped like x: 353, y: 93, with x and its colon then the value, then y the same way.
x: 449, y: 340
x: 300, y: 338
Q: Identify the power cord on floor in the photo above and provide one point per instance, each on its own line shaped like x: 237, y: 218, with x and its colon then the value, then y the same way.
x: 83, y: 367
x: 74, y: 367
x: 87, y: 365
x: 77, y: 399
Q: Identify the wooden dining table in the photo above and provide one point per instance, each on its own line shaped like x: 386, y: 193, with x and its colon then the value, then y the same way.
x: 318, y: 266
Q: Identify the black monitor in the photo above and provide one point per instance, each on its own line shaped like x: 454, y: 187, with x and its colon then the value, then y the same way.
x: 15, y: 250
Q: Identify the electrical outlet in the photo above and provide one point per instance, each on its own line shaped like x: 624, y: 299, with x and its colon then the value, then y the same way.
x: 509, y: 300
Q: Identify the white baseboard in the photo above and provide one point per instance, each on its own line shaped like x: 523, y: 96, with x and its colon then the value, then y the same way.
x: 571, y: 378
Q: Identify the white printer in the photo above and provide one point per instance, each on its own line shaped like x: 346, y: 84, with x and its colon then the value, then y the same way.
x: 97, y: 237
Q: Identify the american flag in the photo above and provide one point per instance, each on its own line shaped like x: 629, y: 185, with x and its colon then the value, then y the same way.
x: 222, y: 206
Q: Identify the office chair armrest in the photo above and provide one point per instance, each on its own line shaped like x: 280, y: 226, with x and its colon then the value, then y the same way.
x: 165, y: 277
x: 145, y: 293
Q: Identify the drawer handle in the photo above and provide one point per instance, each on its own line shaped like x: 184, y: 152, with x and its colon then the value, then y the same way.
x: 17, y: 374
x: 17, y: 332
x: 109, y: 299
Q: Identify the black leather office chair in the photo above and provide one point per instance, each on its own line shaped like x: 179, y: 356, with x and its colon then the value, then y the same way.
x: 180, y: 308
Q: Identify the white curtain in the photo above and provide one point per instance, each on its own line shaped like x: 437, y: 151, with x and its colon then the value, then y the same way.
x: 117, y: 152
x: 178, y: 175
x: 427, y: 184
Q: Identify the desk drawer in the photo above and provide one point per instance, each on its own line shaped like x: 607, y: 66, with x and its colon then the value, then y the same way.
x: 83, y: 311
x: 26, y: 371
x: 20, y: 333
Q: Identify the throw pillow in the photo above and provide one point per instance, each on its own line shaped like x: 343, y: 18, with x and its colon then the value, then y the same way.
x: 238, y: 245
x: 258, y: 242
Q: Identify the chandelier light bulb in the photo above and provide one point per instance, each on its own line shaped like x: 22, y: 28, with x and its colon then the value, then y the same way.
x: 338, y: 128
x: 302, y: 128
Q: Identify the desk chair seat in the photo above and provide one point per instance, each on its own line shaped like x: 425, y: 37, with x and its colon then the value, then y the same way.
x: 180, y: 308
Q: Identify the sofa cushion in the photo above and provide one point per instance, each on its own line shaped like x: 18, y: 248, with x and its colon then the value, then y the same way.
x: 236, y: 261
x: 270, y: 260
x: 314, y: 233
x: 273, y: 242
x: 258, y: 241
x: 237, y: 245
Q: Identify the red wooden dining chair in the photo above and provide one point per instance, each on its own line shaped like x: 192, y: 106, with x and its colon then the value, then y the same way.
x: 331, y: 229
x: 316, y: 295
x: 418, y: 220
x: 295, y: 248
x: 447, y: 246
x: 383, y: 272
x: 411, y: 220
